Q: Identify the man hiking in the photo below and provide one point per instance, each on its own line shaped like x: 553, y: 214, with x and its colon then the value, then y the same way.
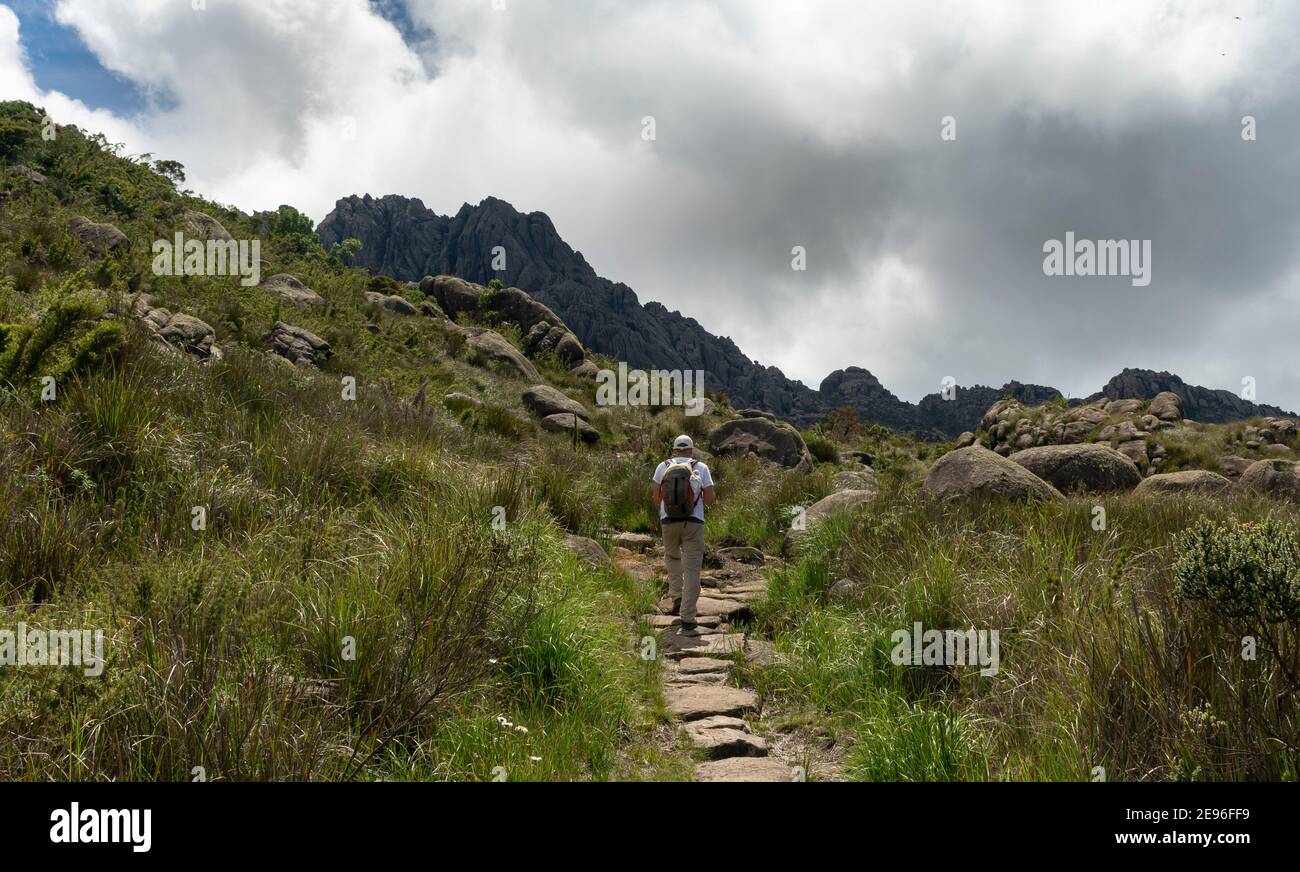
x: 682, y: 487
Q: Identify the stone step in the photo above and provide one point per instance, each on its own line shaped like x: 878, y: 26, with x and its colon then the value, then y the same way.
x: 665, y: 621
x: 701, y: 664
x: 722, y: 607
x: 744, y: 769
x: 684, y: 678
x: 721, y: 736
x: 738, y: 589
x: 678, y: 646
x: 691, y: 702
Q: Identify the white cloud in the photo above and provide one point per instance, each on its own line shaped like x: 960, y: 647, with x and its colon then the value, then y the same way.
x: 778, y: 124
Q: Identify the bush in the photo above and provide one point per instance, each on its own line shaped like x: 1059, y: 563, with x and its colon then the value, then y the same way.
x: 1249, y: 571
x: 822, y: 448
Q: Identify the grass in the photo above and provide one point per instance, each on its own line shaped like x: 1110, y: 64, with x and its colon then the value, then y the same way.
x: 297, y: 584
x: 1102, y: 662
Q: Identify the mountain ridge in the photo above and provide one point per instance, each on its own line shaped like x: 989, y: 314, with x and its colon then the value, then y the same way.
x: 402, y: 238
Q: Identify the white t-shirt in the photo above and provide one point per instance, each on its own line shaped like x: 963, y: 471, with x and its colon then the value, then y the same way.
x: 706, y: 480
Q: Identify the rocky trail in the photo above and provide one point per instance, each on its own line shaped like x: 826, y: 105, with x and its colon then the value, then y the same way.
x: 720, y: 720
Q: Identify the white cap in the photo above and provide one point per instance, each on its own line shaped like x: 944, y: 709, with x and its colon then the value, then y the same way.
x: 683, y: 442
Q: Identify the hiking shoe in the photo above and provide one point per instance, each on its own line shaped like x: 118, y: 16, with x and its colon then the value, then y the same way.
x: 689, y: 626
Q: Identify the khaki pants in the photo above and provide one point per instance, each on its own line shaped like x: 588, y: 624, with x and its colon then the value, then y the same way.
x: 683, y: 557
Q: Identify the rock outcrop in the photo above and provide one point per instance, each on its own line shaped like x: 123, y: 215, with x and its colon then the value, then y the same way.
x: 1197, y: 481
x: 565, y: 422
x: 1089, y: 468
x: 490, y: 348
x: 297, y: 345
x: 543, y: 330
x: 1199, y: 404
x: 770, y: 440
x: 100, y: 240
x: 205, y: 226
x: 587, y: 550
x: 391, y: 303
x: 176, y: 329
x: 840, y: 501
x: 543, y: 400
x: 976, y: 471
x: 291, y: 289
x: 1278, y: 478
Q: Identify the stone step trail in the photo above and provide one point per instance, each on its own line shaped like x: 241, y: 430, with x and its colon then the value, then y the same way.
x: 698, y: 668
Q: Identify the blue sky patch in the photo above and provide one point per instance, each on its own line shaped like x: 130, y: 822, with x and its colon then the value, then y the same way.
x: 60, y: 61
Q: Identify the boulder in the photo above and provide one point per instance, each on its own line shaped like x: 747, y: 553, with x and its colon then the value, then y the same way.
x: 195, y: 337
x: 976, y: 471
x: 429, y: 309
x: 1136, y: 451
x: 840, y: 501
x: 633, y: 541
x: 1123, y: 407
x: 543, y: 400
x: 99, y: 239
x: 743, y: 554
x: 1233, y: 466
x: 842, y: 590
x: 588, y: 550
x: 586, y: 369
x: 854, y: 479
x: 459, y: 402
x: 456, y: 295
x: 770, y: 440
x: 296, y: 345
x: 1197, y: 481
x: 966, y: 440
x: 1277, y: 478
x: 1088, y: 467
x: 25, y: 172
x: 205, y: 226
x: 492, y: 349
x: 291, y: 289
x: 1167, y: 406
x: 392, y: 302
x: 544, y: 338
x: 565, y: 422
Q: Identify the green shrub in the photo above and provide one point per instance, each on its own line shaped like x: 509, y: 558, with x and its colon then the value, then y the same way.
x: 1249, y: 570
x: 822, y: 448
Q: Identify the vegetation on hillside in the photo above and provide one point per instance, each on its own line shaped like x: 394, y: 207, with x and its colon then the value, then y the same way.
x: 295, y: 584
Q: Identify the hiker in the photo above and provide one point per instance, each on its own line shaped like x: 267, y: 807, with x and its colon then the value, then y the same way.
x: 682, y: 487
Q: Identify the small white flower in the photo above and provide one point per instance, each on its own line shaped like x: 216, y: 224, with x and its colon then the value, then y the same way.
x: 521, y: 729
x: 536, y: 759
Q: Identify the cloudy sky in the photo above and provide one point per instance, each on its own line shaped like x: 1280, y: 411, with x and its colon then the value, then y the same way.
x: 814, y: 123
